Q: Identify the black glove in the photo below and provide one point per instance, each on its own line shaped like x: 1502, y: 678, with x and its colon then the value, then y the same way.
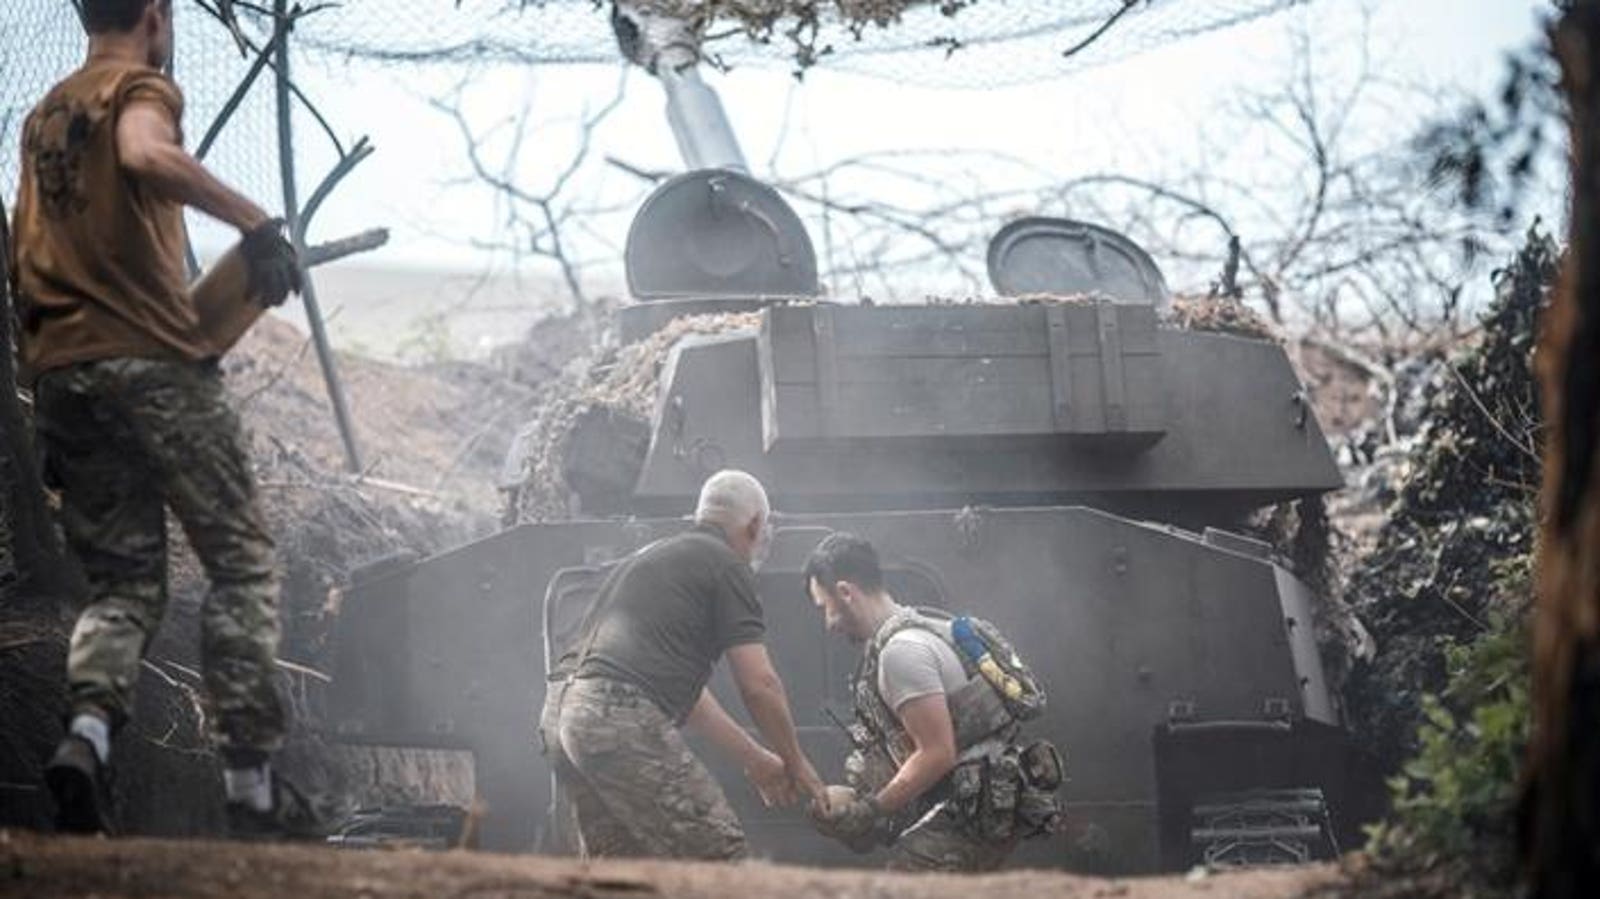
x: 271, y: 262
x: 859, y: 824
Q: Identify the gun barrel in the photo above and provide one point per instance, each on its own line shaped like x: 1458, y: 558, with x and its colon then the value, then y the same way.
x: 704, y: 135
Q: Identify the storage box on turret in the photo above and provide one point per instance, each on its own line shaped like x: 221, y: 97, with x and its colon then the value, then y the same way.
x: 1083, y: 370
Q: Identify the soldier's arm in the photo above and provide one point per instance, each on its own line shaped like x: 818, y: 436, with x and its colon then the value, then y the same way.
x: 710, y: 720
x: 765, y: 769
x: 763, y: 694
x: 148, y: 149
x: 933, y: 738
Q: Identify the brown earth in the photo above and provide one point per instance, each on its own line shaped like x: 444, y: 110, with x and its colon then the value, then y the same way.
x: 41, y: 867
x: 442, y: 429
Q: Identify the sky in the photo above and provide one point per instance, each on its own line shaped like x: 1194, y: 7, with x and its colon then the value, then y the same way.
x: 1150, y: 114
x: 1138, y: 107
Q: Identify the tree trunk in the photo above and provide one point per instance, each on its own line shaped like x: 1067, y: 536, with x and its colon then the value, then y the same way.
x: 1562, y: 801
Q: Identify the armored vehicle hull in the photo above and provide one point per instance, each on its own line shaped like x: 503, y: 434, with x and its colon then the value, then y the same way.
x: 1178, y: 665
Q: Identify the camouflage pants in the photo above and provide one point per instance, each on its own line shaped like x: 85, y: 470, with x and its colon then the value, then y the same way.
x: 122, y: 439
x: 634, y: 784
x: 558, y: 834
x: 942, y: 842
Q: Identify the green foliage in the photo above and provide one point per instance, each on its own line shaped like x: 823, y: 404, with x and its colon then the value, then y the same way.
x: 1455, y: 800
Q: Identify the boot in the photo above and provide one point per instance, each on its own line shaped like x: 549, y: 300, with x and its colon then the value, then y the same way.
x: 81, y: 786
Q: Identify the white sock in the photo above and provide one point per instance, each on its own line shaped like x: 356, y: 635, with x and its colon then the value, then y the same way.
x: 251, y: 786
x: 93, y: 729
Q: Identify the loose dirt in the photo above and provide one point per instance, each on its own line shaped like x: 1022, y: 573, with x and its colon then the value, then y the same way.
x: 42, y: 867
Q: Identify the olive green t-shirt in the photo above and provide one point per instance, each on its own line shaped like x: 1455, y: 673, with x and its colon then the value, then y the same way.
x: 98, y: 257
x: 668, y: 613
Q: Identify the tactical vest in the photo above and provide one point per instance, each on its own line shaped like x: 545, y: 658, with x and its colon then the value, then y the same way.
x: 1000, y: 788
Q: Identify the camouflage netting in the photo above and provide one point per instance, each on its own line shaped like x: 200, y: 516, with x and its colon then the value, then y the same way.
x: 759, y: 17
x: 1218, y: 314
x: 621, y: 384
x: 1452, y: 561
x: 956, y: 43
x: 995, y: 41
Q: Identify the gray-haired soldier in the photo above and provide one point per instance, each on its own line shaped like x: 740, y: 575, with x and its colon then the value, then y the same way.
x: 661, y: 620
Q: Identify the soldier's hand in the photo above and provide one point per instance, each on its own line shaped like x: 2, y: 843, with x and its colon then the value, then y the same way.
x: 270, y: 259
x: 771, y: 779
x: 806, y: 780
x: 858, y: 822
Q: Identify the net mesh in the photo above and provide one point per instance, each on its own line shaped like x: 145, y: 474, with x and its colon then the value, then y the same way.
x: 41, y: 42
x: 975, y: 43
x: 957, y: 43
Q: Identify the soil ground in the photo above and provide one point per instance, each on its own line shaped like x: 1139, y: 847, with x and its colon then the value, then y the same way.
x: 47, y: 867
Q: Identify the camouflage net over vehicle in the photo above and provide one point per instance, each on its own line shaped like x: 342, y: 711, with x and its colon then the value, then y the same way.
x: 622, y: 382
x: 1222, y: 315
x: 759, y: 17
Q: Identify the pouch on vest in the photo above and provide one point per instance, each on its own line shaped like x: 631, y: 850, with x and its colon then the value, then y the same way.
x: 1043, y: 772
x: 1038, y: 813
x: 966, y: 789
x: 1043, y: 766
x: 985, y: 650
x: 976, y: 712
x: 997, y: 818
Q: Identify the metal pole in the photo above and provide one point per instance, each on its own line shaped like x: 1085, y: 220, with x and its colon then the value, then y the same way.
x: 291, y: 212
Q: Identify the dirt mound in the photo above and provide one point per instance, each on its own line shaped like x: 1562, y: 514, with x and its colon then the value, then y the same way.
x: 55, y: 868
x: 442, y: 429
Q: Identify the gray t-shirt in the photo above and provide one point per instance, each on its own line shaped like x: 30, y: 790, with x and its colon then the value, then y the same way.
x: 916, y: 662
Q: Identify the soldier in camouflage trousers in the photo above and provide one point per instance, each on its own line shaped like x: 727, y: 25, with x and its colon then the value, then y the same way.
x: 122, y: 439
x: 131, y: 411
x: 635, y: 787
x: 658, y: 623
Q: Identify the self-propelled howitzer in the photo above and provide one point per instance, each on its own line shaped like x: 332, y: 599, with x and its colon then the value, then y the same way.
x: 1061, y: 462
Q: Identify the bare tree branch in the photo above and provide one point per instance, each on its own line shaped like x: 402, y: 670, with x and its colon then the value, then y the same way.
x: 539, y: 219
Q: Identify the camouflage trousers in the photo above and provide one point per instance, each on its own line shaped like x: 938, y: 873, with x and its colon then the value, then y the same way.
x: 941, y: 841
x: 123, y: 439
x: 633, y: 783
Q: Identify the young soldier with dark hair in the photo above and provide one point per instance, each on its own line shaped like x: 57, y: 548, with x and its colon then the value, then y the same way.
x: 936, y: 743
x: 132, y: 414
